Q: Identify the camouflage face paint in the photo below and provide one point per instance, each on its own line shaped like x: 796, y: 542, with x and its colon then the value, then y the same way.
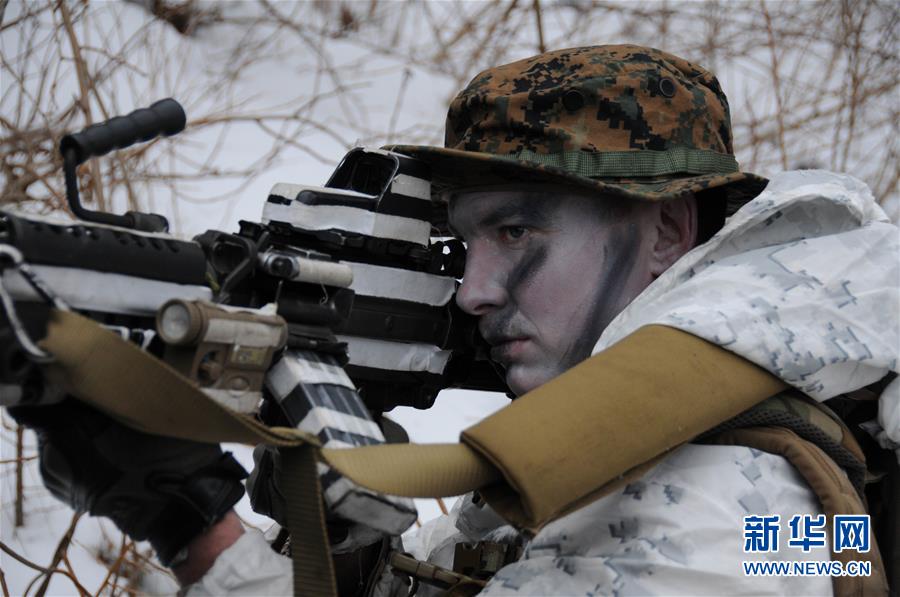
x: 531, y: 262
x: 620, y: 256
x: 545, y: 275
x: 521, y: 274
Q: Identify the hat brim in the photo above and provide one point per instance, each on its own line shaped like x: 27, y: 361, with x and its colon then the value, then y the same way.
x: 454, y: 169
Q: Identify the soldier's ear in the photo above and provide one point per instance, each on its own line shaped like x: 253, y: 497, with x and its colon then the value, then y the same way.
x: 675, y: 223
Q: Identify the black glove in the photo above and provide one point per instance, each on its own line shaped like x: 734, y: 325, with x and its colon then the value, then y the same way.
x: 266, y: 497
x: 153, y: 488
x: 265, y: 494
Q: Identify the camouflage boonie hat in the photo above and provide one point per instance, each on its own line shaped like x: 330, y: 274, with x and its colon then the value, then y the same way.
x: 625, y: 120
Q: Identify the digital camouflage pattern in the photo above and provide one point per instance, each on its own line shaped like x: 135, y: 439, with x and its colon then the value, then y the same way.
x: 625, y: 120
x: 675, y: 531
x: 814, y: 258
x: 811, y: 421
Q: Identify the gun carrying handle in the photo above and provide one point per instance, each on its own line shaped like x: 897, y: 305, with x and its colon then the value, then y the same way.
x: 165, y: 117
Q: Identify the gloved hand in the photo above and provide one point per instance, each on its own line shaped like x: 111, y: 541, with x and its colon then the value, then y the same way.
x: 153, y: 488
x: 266, y: 497
x: 262, y: 486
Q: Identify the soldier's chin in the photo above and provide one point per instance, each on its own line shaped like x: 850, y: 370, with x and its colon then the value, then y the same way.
x: 521, y: 379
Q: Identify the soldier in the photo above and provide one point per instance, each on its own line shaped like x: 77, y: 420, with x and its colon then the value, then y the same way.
x: 588, y: 185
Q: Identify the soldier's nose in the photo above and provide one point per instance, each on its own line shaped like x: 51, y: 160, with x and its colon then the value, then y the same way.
x: 482, y: 290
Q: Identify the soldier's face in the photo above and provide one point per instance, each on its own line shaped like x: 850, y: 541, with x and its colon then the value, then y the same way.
x: 545, y: 273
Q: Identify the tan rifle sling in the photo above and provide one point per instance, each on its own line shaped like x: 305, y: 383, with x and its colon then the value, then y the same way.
x: 533, y: 461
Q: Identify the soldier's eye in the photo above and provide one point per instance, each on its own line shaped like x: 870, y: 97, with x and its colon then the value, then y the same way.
x: 513, y: 232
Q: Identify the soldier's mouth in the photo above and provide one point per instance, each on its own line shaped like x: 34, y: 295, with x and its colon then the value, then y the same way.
x: 507, y: 350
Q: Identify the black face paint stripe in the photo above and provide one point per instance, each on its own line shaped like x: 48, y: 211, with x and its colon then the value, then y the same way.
x: 621, y: 254
x: 531, y: 261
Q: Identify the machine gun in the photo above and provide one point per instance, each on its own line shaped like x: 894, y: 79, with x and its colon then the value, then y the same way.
x: 334, y: 308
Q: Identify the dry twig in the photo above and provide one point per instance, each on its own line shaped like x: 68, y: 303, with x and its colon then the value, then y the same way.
x: 44, y: 571
x: 60, y: 553
x: 20, y: 487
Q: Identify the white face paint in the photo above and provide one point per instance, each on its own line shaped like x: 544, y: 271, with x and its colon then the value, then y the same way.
x: 545, y: 273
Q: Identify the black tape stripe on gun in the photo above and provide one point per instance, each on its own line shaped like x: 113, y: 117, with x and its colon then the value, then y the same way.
x: 318, y: 397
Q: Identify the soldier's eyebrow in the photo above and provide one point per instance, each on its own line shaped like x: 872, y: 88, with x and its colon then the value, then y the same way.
x: 535, y: 211
x: 532, y: 212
